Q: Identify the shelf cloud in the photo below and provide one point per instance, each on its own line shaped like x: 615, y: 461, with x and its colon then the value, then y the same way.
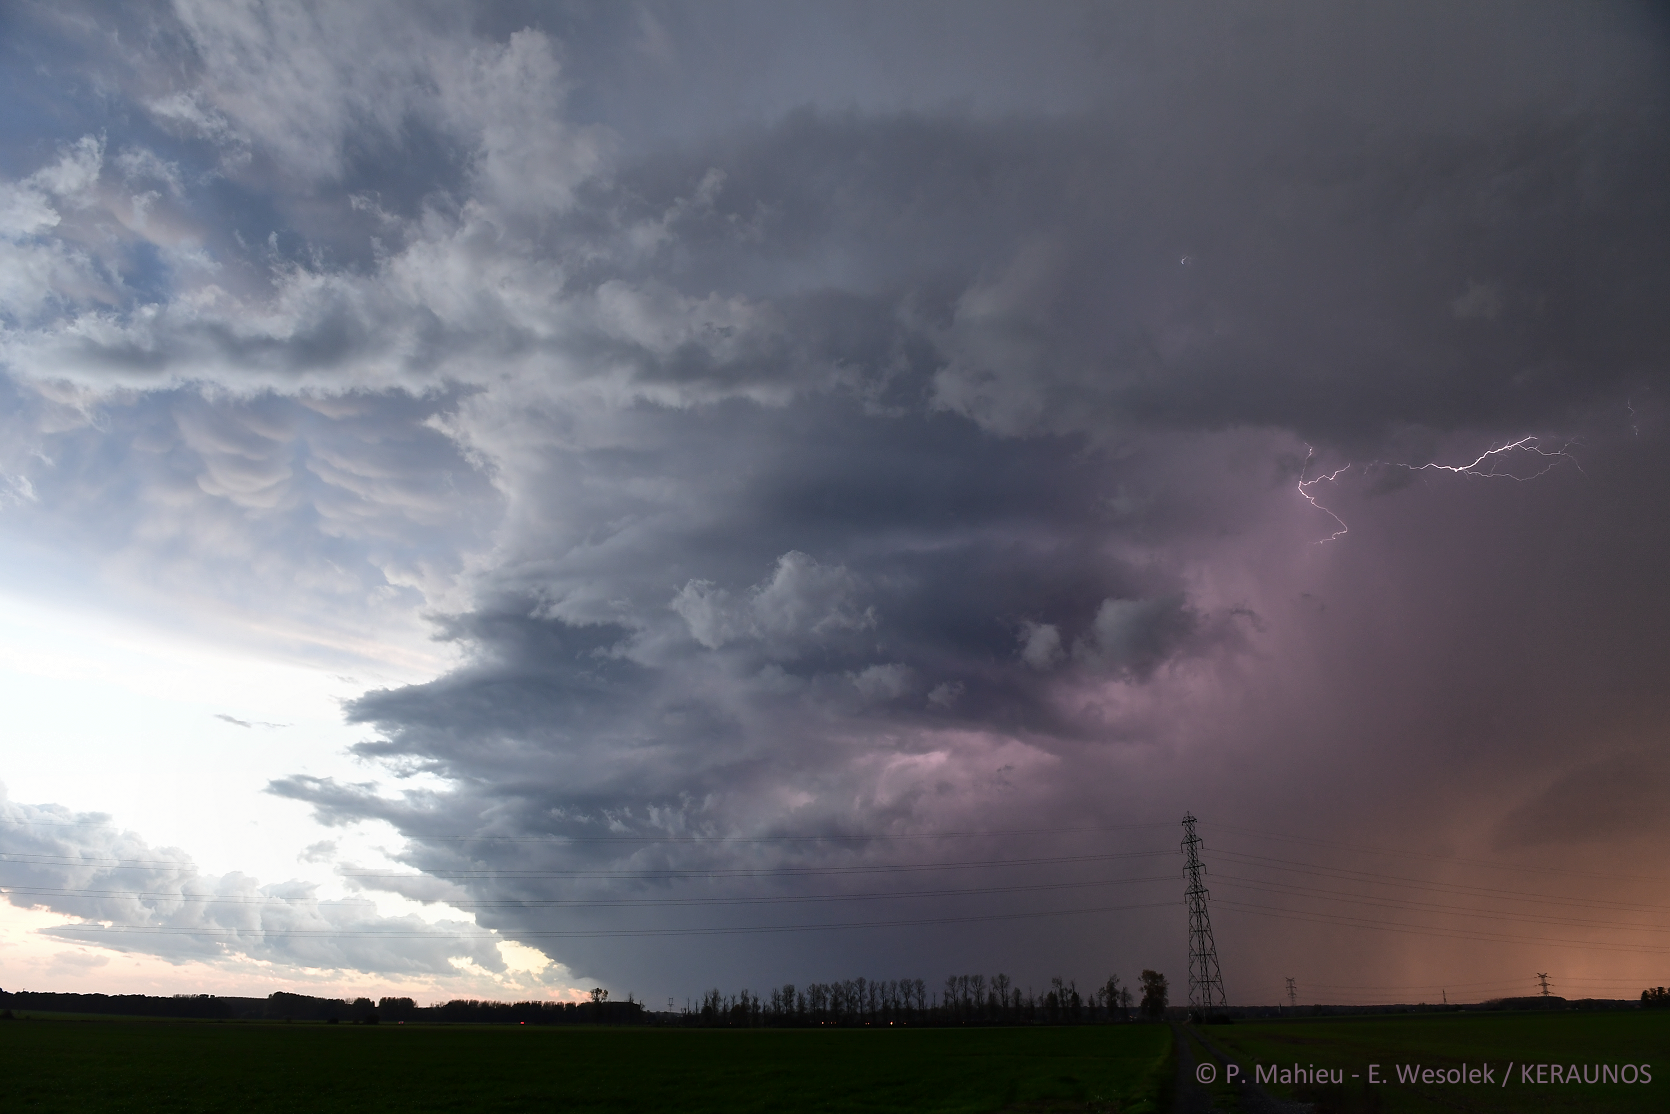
x: 801, y: 431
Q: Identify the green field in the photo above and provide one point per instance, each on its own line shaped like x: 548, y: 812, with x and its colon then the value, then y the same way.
x: 1448, y: 1041
x: 117, y: 1065
x: 60, y: 1063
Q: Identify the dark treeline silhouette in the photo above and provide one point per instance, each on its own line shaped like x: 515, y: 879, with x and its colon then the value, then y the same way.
x: 595, y: 1012
x: 964, y: 1000
x: 138, y: 1005
x: 283, y: 1006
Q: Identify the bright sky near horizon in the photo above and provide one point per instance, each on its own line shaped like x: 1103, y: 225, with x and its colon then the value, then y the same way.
x: 497, y: 499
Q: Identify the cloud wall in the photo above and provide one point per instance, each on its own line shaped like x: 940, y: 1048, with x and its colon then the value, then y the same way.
x: 901, y: 435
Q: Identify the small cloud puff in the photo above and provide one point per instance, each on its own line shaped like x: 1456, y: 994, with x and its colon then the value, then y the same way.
x: 1041, y: 645
x: 884, y: 682
x: 801, y: 603
x: 1134, y: 634
x: 321, y: 852
x: 945, y: 694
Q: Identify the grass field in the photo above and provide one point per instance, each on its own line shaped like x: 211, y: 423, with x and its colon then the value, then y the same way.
x: 62, y: 1063
x: 143, y: 1065
x: 1448, y: 1041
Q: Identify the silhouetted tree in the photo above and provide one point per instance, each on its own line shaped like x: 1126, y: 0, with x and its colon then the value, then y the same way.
x: 1153, y: 995
x: 1109, y: 994
x: 397, y: 1009
x: 1000, y: 990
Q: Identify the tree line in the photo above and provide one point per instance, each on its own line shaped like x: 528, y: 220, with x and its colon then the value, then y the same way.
x: 283, y: 1006
x: 598, y: 1011
x: 964, y: 1000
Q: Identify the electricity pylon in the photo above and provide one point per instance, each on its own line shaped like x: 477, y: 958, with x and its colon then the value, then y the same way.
x: 1206, y: 981
x: 1542, y: 977
x: 1292, y: 993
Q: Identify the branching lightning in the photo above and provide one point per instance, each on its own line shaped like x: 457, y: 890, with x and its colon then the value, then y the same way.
x: 1488, y: 465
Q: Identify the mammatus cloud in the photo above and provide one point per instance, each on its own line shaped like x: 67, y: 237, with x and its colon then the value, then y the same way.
x: 919, y: 454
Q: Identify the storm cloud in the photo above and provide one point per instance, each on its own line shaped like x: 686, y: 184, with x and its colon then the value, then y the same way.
x: 811, y: 430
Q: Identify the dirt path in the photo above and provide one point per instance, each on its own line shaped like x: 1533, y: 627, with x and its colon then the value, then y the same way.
x: 1189, y: 1097
x: 1251, y: 1098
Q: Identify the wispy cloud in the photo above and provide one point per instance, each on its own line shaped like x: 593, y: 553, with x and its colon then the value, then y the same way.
x: 236, y: 722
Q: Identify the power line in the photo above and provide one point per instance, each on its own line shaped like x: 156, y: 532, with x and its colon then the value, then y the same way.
x: 1355, y: 876
x: 1475, y: 987
x: 1374, y: 878
x: 1422, y: 930
x: 667, y: 873
x: 1419, y: 986
x: 585, y: 903
x: 1338, y: 846
x: 75, y: 930
x: 828, y: 837
x: 1312, y: 893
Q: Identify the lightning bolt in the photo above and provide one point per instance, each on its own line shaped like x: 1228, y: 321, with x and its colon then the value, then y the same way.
x: 1304, y: 489
x: 1487, y: 465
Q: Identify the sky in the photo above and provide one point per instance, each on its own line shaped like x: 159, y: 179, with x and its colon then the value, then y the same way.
x: 499, y: 499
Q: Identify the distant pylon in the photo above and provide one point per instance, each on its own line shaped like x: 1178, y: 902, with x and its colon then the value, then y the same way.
x: 1206, y: 982
x: 1542, y: 977
x: 1292, y: 993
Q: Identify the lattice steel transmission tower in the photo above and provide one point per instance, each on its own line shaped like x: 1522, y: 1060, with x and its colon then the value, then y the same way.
x: 1542, y: 977
x: 1206, y: 982
x: 1292, y: 993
